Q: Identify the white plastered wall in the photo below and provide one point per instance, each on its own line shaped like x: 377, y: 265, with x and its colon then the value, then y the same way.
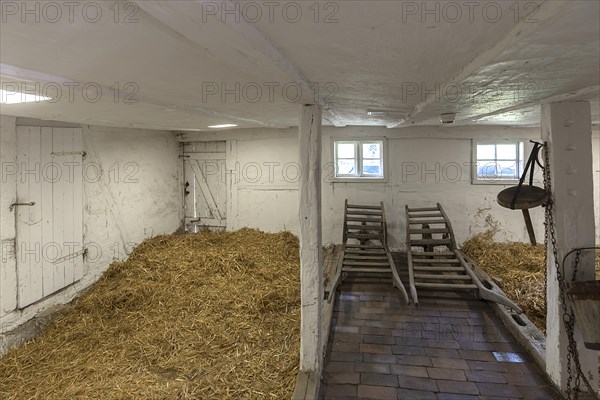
x: 131, y: 192
x: 425, y: 165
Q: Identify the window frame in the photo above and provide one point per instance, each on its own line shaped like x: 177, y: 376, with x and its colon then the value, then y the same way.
x: 476, y: 180
x: 359, y: 159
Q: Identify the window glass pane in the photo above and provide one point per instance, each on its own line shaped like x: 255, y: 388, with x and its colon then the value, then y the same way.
x: 372, y: 167
x: 345, y: 150
x: 346, y: 167
x: 486, y: 151
x: 371, y: 150
x: 507, y: 169
x: 486, y: 169
x: 506, y: 151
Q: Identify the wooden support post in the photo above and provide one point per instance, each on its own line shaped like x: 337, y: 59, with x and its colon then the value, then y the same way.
x: 566, y: 127
x: 311, y: 346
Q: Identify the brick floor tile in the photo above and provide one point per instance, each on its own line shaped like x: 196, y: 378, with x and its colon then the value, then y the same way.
x: 439, y: 352
x: 407, y: 394
x: 379, y: 358
x: 375, y: 348
x: 446, y: 373
x: 416, y: 383
x: 346, y: 329
x: 525, y: 379
x: 372, y: 367
x: 408, y: 350
x: 344, y: 346
x: 485, y: 366
x: 485, y: 376
x: 444, y: 344
x: 376, y: 392
x: 345, y: 356
x: 342, y: 377
x: 409, y: 370
x: 453, y: 363
x: 471, y: 344
x: 373, y: 310
x: 457, y: 387
x: 456, y: 396
x: 372, y: 330
x: 340, y: 366
x: 539, y: 393
x: 476, y: 355
x: 414, y: 360
x: 374, y: 317
x: 499, y: 390
x: 375, y: 379
x: 379, y: 339
x: 340, y: 390
x: 347, y: 337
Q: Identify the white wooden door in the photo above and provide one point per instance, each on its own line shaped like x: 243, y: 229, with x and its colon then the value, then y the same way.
x: 205, y: 186
x: 49, y: 231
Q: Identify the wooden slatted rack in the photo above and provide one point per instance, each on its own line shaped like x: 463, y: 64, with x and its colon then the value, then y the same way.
x: 364, y: 249
x: 435, y: 263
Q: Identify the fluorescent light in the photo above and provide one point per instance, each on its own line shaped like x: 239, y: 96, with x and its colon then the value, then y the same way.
x: 383, y: 113
x: 223, y: 126
x: 9, y: 97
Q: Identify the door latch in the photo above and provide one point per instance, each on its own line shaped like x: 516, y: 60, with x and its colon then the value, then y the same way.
x: 13, y: 205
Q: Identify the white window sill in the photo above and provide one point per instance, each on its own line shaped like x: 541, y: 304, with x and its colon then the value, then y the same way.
x: 358, y: 180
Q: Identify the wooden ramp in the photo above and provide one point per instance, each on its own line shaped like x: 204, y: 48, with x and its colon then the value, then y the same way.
x: 365, y: 255
x: 434, y: 262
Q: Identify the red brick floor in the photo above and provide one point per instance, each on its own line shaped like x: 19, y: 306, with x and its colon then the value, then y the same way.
x: 452, y: 347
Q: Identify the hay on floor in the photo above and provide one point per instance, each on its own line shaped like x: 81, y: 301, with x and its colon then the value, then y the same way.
x: 202, y: 316
x: 520, y: 270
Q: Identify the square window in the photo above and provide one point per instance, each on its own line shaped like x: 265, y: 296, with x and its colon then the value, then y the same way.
x: 359, y: 159
x: 497, y: 162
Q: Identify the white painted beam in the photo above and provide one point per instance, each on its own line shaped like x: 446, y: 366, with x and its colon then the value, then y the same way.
x: 566, y: 127
x: 311, y: 270
x: 188, y: 19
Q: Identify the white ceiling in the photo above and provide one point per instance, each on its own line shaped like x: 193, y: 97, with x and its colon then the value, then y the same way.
x: 492, y: 64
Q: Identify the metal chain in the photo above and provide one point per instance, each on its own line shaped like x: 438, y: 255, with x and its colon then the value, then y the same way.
x: 568, y: 314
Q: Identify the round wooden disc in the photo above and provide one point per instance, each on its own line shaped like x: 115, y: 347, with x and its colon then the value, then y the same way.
x: 529, y: 197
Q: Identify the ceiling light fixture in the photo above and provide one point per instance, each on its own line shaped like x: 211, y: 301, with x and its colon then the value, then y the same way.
x: 10, y: 97
x: 223, y: 126
x: 383, y: 113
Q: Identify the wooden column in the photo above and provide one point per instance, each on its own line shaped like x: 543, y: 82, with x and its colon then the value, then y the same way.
x: 566, y: 127
x: 311, y: 259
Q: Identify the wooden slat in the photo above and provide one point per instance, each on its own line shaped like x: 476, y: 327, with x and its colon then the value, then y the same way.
x: 443, y: 277
x: 430, y: 230
x: 364, y: 207
x: 433, y: 242
x: 372, y: 256
x: 361, y: 219
x: 363, y: 236
x: 438, y: 215
x: 366, y: 263
x: 426, y: 221
x: 435, y: 260
x: 428, y: 285
x: 369, y: 270
x: 363, y: 213
x: 423, y: 209
x: 437, y: 269
x: 365, y: 227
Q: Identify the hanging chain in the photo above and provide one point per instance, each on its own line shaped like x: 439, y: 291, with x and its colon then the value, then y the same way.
x: 568, y: 313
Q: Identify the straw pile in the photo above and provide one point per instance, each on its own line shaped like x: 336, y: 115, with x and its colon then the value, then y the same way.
x: 519, y: 269
x: 203, y: 316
